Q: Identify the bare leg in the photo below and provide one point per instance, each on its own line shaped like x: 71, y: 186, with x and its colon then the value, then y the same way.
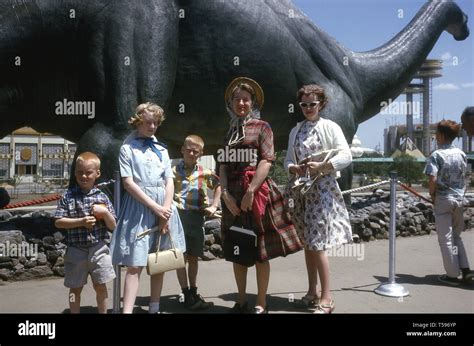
x: 322, y: 264
x: 192, y: 270
x: 263, y: 277
x: 75, y: 300
x: 132, y: 278
x: 240, y: 273
x: 182, y: 277
x: 101, y: 297
x: 156, y: 285
x: 312, y: 269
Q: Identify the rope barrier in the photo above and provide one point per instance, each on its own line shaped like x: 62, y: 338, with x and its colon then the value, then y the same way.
x: 34, y: 202
x: 111, y: 181
x: 409, y: 189
x: 51, y: 198
x: 367, y: 187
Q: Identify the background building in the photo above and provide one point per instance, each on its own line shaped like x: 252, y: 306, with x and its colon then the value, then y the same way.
x: 35, y: 156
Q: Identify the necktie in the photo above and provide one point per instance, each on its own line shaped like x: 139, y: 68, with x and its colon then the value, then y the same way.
x: 148, y: 142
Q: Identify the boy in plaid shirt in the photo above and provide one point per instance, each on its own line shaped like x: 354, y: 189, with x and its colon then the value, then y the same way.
x: 191, y: 182
x: 88, y: 215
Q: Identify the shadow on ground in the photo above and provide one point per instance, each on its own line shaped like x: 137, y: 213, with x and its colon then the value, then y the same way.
x: 281, y: 302
x: 431, y: 280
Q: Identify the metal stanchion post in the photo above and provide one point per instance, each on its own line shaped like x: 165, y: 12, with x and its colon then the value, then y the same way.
x: 391, y: 288
x: 117, y: 281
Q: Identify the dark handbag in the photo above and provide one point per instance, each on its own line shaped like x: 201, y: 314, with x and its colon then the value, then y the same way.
x: 240, y: 243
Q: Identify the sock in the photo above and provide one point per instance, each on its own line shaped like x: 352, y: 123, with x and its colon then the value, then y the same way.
x: 193, y: 290
x: 154, y: 307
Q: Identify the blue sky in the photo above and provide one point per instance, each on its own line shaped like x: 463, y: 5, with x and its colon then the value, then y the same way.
x: 363, y: 25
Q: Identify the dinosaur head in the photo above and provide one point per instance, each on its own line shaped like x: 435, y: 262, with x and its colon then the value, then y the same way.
x: 457, y: 23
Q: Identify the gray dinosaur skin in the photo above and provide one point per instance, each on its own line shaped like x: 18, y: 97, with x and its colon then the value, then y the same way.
x: 189, y: 61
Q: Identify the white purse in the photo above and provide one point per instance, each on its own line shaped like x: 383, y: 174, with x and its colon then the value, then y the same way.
x: 166, y: 260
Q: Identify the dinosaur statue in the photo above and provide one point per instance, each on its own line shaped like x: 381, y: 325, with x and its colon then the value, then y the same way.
x: 79, y: 68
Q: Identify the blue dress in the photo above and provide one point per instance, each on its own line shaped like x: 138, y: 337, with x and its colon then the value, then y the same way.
x: 150, y: 174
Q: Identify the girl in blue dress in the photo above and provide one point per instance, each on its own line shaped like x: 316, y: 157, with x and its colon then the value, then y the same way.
x: 145, y: 168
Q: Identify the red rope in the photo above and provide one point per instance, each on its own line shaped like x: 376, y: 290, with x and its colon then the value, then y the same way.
x: 415, y: 193
x: 34, y: 202
x: 51, y: 198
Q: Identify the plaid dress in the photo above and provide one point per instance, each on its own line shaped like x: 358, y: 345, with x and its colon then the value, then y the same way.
x: 276, y: 235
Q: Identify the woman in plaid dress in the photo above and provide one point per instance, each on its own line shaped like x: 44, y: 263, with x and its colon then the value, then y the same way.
x: 247, y: 189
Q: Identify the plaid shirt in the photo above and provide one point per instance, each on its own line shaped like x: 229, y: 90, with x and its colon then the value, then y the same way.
x: 191, y: 186
x: 76, y: 204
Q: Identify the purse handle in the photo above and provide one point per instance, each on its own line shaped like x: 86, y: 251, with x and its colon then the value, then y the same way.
x: 172, y: 243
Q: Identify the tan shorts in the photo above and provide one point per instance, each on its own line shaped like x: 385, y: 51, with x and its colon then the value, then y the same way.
x: 80, y: 261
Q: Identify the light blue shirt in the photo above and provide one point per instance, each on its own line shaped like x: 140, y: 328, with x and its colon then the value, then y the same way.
x: 140, y: 162
x: 449, y: 165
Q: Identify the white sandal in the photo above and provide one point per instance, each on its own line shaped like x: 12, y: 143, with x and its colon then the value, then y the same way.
x: 320, y: 308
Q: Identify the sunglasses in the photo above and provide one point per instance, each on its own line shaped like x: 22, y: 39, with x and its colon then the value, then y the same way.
x: 311, y: 105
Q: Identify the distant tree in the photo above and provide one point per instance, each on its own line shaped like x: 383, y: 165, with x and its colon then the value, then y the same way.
x: 409, y: 170
x: 371, y: 169
x: 277, y: 172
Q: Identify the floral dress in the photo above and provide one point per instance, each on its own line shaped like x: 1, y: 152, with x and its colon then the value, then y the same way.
x: 320, y: 215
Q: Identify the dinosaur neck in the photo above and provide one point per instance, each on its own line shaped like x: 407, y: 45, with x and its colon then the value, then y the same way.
x: 387, y: 70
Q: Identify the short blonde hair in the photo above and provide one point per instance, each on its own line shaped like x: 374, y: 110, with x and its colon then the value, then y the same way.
x: 194, y: 139
x: 88, y: 156
x: 152, y: 108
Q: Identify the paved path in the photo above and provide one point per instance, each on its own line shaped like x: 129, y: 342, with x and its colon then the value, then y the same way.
x: 353, y: 281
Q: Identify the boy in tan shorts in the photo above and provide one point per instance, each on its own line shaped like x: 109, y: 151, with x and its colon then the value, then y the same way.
x: 87, y: 215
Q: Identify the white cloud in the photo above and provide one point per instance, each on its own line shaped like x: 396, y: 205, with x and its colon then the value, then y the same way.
x: 446, y: 87
x: 446, y: 56
x: 467, y: 85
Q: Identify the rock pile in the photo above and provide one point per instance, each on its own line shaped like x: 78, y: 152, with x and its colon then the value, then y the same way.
x: 370, y: 216
x: 31, y: 247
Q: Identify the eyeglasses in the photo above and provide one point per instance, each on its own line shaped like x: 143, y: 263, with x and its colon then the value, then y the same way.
x: 311, y: 105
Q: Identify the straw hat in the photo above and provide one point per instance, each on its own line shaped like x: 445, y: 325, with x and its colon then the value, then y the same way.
x: 259, y: 97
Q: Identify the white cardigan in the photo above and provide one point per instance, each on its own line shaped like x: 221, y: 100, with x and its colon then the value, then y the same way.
x: 331, y: 137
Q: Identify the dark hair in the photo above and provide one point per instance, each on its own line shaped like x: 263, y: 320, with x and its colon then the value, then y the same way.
x: 313, y: 89
x: 468, y: 112
x: 449, y: 129
x: 245, y: 87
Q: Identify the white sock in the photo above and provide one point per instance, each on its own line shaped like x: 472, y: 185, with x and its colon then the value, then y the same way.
x: 153, y: 307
